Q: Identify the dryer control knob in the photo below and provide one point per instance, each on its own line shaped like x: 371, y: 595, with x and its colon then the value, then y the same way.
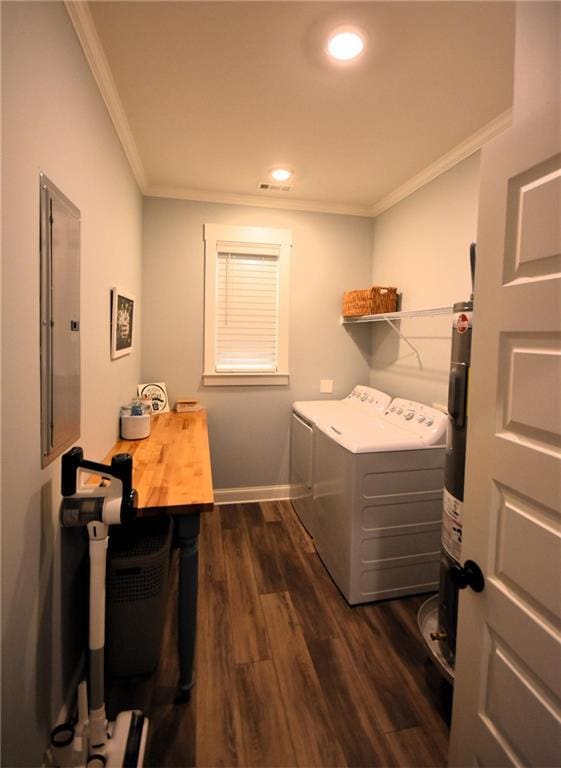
x: 363, y: 397
x: 400, y: 411
x: 429, y: 423
x: 408, y: 415
x: 420, y: 418
x: 392, y: 409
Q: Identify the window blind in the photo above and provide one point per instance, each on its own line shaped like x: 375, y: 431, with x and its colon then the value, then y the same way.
x: 247, y: 311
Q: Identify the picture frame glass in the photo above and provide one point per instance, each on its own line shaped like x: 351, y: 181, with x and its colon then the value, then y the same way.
x: 122, y: 323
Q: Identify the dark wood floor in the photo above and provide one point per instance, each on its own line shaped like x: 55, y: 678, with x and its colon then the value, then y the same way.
x: 287, y: 673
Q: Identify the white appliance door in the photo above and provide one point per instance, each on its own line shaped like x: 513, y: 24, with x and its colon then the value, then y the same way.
x: 334, y: 499
x: 301, y: 470
x: 507, y: 708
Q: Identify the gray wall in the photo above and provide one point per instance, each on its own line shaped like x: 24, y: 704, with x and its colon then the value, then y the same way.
x: 54, y: 120
x: 249, y: 426
x: 421, y: 246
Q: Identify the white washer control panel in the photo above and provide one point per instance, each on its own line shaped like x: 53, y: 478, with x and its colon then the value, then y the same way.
x: 426, y: 422
x: 368, y: 399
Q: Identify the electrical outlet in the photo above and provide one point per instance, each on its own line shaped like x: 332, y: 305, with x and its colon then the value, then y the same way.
x: 326, y: 386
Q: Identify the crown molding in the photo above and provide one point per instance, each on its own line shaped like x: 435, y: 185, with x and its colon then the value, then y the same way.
x: 460, y: 152
x: 444, y: 163
x: 84, y: 26
x: 231, y: 198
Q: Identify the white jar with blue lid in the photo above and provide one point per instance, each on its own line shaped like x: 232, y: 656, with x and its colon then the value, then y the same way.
x: 135, y: 420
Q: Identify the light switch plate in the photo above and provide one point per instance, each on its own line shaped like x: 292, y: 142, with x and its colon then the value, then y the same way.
x: 326, y: 386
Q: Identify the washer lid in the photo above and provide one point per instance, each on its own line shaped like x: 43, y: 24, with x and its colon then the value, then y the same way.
x: 373, y: 437
x: 404, y: 425
x: 314, y: 410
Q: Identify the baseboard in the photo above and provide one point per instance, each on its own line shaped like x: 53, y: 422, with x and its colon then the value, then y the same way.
x: 257, y: 493
x: 68, y: 707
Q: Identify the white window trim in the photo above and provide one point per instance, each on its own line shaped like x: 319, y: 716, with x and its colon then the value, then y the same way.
x: 219, y: 237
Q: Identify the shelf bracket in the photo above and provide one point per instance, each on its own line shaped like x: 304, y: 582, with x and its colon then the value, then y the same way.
x: 406, y: 340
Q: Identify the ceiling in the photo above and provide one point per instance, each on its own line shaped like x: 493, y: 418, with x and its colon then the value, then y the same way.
x: 209, y: 96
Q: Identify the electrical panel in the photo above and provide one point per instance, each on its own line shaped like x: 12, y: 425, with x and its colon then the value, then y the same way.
x: 60, y: 321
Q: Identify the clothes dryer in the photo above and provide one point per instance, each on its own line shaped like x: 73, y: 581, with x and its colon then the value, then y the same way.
x: 306, y: 415
x: 378, y: 490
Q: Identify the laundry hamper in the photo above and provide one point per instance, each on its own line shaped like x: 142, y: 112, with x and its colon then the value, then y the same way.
x: 137, y: 579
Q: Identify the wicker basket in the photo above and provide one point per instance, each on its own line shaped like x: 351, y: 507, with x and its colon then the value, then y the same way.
x: 370, y: 301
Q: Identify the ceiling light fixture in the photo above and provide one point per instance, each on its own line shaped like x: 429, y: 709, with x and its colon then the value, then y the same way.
x: 281, y: 174
x: 345, y: 44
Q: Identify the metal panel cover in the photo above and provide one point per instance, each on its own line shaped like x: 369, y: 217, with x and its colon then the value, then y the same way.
x: 60, y: 321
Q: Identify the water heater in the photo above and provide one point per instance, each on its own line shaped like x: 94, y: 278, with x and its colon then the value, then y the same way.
x: 455, y: 458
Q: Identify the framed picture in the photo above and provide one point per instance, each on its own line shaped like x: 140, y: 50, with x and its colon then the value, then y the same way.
x: 122, y: 323
x: 157, y: 393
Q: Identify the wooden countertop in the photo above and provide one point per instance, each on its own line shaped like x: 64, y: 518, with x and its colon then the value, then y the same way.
x: 171, y: 468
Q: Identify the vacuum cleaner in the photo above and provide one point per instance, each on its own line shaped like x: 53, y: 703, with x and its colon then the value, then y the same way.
x: 93, y: 742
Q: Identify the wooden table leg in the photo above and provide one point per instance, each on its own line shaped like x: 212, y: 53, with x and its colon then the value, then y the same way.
x: 187, y: 541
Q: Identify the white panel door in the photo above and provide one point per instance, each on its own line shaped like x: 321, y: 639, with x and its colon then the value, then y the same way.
x: 507, y: 708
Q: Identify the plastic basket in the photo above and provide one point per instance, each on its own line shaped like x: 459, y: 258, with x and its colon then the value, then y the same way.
x: 137, y: 579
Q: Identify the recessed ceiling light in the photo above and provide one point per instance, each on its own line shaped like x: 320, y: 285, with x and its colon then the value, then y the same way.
x: 345, y: 44
x: 281, y: 174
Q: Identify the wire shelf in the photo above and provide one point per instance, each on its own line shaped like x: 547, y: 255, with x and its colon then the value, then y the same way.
x: 406, y: 313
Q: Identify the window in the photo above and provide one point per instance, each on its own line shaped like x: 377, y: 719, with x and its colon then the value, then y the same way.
x: 246, y: 305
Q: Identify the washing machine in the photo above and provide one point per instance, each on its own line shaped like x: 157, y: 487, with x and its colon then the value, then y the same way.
x: 306, y: 415
x: 378, y: 486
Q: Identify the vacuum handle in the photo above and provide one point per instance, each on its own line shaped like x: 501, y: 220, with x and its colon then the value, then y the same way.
x: 120, y: 468
x: 71, y: 460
